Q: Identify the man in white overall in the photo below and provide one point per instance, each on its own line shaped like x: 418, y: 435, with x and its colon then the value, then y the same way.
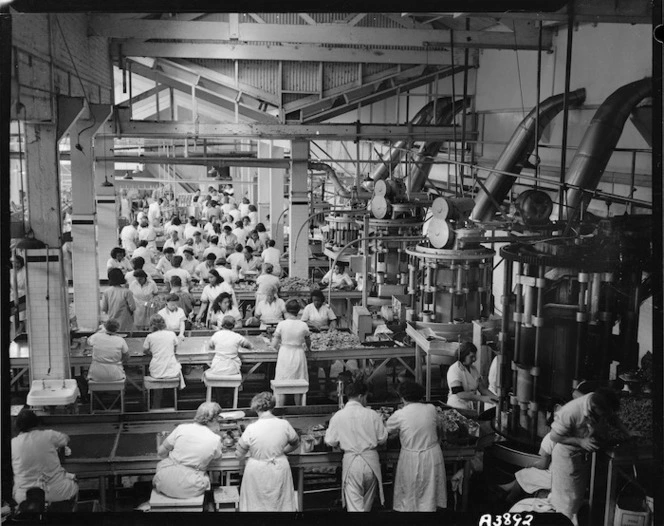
x: 358, y: 430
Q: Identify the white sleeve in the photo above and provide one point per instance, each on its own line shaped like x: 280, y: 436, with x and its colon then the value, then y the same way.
x: 453, y: 377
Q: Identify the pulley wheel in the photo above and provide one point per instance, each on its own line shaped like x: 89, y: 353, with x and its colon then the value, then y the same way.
x: 440, y: 233
x: 381, y: 188
x: 440, y: 208
x: 380, y: 207
x: 535, y: 207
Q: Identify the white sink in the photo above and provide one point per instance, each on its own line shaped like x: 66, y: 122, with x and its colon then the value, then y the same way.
x: 52, y: 392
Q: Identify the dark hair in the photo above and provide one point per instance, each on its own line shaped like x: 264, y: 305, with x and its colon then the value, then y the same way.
x: 176, y: 281
x: 411, y: 391
x: 134, y: 223
x: 605, y: 399
x: 19, y: 259
x: 239, y: 224
x: 293, y: 307
x: 157, y: 323
x: 26, y: 420
x: 192, y: 221
x: 249, y: 249
x: 238, y: 248
x: 172, y: 297
x: 143, y: 242
x: 465, y: 348
x: 176, y: 221
x: 317, y: 294
x: 228, y: 322
x: 221, y: 262
x: 137, y: 263
x: 213, y: 203
x: 263, y: 402
x: 188, y: 249
x: 252, y: 208
x: 117, y: 250
x: 271, y: 242
x: 140, y: 273
x: 177, y: 261
x: 116, y: 277
x: 247, y: 218
x: 211, y: 256
x: 216, y: 304
x: 112, y: 325
x: 214, y: 273
x: 214, y: 239
x: 356, y: 388
x: 268, y: 268
x: 228, y: 228
x: 260, y: 227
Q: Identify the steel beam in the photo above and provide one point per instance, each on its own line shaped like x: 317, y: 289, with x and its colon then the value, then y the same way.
x: 198, y: 161
x: 308, y: 34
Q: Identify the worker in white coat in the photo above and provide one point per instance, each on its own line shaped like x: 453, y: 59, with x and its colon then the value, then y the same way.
x: 463, y: 379
x: 577, y: 430
x: 419, y: 483
x: 358, y: 430
x: 267, y: 483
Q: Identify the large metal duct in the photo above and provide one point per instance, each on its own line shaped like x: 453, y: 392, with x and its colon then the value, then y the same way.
x: 422, y: 118
x: 424, y: 158
x: 600, y: 140
x: 517, y: 151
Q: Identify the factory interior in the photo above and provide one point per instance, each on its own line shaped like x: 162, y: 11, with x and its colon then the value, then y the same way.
x: 459, y: 205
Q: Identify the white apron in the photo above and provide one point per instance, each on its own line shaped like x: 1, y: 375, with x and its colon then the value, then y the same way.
x: 291, y: 363
x: 570, y: 477
x: 420, y: 483
x: 267, y: 485
x: 351, y: 460
x: 178, y: 481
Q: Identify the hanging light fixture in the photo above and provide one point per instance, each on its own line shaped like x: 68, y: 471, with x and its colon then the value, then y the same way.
x: 106, y: 183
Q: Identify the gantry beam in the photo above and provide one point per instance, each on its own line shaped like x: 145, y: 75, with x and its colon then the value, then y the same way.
x: 125, y: 127
x: 307, y: 34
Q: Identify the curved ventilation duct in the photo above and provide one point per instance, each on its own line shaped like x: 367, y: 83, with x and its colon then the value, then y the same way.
x: 517, y: 151
x: 600, y: 140
x: 424, y: 158
x: 422, y: 118
x: 341, y: 190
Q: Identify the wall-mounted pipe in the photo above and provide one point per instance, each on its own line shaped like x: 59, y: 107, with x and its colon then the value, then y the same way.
x: 518, y: 149
x: 424, y: 158
x: 600, y: 140
x: 422, y: 118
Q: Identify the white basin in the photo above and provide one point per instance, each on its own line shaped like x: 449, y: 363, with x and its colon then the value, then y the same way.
x: 52, y: 392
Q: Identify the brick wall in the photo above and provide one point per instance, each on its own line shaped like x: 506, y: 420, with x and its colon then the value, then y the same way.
x: 43, y: 66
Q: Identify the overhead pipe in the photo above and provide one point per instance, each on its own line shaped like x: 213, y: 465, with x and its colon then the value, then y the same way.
x: 600, y: 140
x: 424, y: 158
x: 341, y: 190
x: 516, y: 153
x: 422, y: 118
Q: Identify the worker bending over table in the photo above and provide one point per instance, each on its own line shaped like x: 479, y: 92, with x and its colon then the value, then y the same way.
x: 186, y: 454
x: 161, y: 345
x: 463, y: 380
x: 358, y: 431
x: 226, y: 346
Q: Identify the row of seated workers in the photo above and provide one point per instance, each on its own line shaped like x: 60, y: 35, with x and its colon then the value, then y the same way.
x: 558, y: 481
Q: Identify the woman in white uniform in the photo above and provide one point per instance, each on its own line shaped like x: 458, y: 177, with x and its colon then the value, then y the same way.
x: 161, y: 344
x: 186, y: 454
x: 338, y: 279
x: 119, y: 260
x: 144, y: 291
x: 318, y: 315
x: 358, y: 430
x: 267, y: 483
x: 291, y: 339
x: 272, y: 308
x: 109, y: 354
x: 265, y: 281
x: 419, y: 483
x: 221, y: 307
x: 463, y: 380
x: 35, y: 463
x: 575, y: 430
x: 216, y: 286
x: 174, y: 315
x: 226, y: 346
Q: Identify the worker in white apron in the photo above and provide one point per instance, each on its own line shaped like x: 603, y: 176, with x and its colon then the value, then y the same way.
x: 358, y: 430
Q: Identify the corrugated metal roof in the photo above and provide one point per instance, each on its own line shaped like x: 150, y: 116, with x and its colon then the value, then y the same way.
x: 377, y: 20
x: 300, y: 76
x: 281, y: 18
x: 262, y: 74
x: 339, y: 73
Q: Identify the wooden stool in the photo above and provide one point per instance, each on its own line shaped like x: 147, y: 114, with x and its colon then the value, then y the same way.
x: 160, y: 502
x: 231, y: 381
x: 226, y: 498
x: 284, y: 387
x: 162, y: 383
x: 116, y: 386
